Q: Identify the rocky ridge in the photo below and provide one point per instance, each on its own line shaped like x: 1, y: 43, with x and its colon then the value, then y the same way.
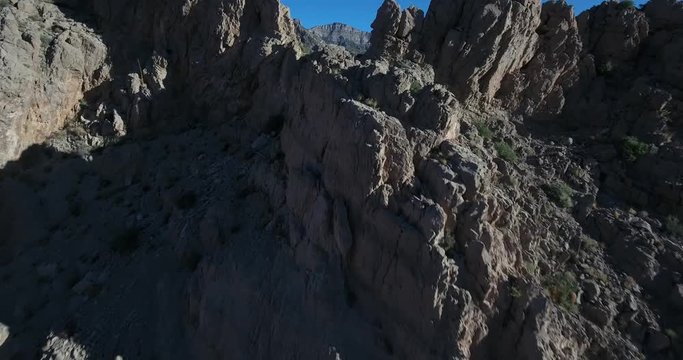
x: 443, y: 197
x: 354, y: 40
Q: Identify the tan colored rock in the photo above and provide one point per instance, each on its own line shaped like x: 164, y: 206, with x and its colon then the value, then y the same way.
x: 450, y: 33
x: 351, y: 210
x: 47, y: 63
x: 612, y: 34
x: 395, y: 33
x: 61, y: 348
x: 454, y: 34
x: 4, y: 333
x: 539, y: 87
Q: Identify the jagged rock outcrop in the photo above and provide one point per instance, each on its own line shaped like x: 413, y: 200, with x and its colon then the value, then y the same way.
x: 538, y: 88
x: 665, y: 44
x: 453, y: 34
x: 329, y: 206
x: 530, y: 59
x: 603, y: 31
x: 47, y: 63
x: 623, y: 89
x: 396, y: 33
x: 186, y: 44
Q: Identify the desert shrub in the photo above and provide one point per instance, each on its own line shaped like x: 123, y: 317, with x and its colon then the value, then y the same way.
x: 605, y: 68
x: 598, y: 275
x: 515, y: 292
x: 578, y: 172
x: 483, y: 130
x: 505, y: 151
x: 563, y: 288
x: 448, y: 244
x: 630, y: 283
x: 589, y: 244
x: 415, y: 87
x: 627, y: 4
x: 673, y: 225
x: 560, y: 193
x: 127, y: 241
x: 367, y: 101
x: 633, y: 149
x: 371, y: 102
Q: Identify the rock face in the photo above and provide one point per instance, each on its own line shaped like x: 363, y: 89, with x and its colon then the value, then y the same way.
x: 625, y: 88
x: 602, y: 34
x: 396, y: 33
x: 538, y: 88
x: 268, y: 202
x: 471, y: 47
x: 47, y: 63
x: 4, y: 333
x: 354, y: 40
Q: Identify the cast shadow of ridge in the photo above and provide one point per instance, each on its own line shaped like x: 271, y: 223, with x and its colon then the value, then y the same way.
x: 76, y: 255
x: 157, y: 248
x: 98, y: 248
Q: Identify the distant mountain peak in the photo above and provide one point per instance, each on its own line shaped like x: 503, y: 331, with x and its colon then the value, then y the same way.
x: 354, y: 40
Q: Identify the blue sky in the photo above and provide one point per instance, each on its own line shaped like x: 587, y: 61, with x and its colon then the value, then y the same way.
x: 361, y: 13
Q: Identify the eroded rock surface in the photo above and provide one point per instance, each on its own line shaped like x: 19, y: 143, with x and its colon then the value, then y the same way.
x: 406, y: 204
x: 48, y: 62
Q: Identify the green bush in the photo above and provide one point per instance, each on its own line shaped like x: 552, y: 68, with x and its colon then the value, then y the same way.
x: 598, y: 275
x: 367, y: 101
x: 515, y: 292
x: 560, y: 193
x: 483, y: 130
x: 563, y: 289
x: 627, y: 4
x: 590, y: 245
x: 505, y: 151
x: 415, y: 87
x: 633, y: 149
x: 371, y: 102
x: 673, y: 225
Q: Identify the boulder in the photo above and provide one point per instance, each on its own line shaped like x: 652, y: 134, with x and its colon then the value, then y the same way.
x: 4, y: 333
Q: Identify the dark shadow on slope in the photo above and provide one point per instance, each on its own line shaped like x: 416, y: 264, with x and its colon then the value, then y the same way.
x: 83, y: 255
x: 162, y: 248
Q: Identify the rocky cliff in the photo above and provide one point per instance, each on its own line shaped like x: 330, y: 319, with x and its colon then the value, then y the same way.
x: 492, y: 179
x: 354, y: 40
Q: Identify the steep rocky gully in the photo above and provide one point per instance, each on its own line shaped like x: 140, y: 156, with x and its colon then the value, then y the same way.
x: 492, y: 179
